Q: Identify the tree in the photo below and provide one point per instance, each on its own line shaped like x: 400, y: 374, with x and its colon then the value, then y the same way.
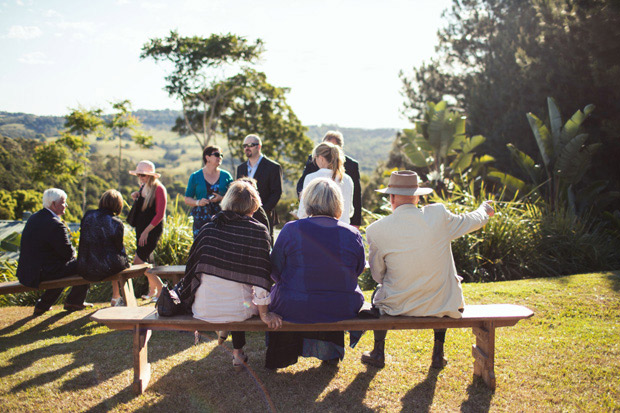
x: 194, y: 80
x: 122, y: 123
x: 499, y: 59
x: 256, y: 106
x: 566, y: 159
x: 79, y: 124
x: 439, y: 146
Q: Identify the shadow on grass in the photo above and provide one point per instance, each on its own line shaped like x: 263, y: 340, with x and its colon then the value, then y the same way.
x: 211, y: 384
x: 420, y: 398
x: 88, y: 350
x: 352, y: 399
x: 479, y: 397
x: 16, y: 326
x: 614, y: 280
x: 41, y: 331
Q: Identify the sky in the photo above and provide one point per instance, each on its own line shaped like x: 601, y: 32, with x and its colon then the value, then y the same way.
x: 340, y: 58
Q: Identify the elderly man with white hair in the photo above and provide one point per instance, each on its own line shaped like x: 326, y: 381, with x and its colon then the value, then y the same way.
x: 46, y: 254
x: 411, y: 259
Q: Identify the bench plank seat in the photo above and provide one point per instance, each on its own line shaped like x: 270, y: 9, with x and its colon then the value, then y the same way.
x: 483, y: 319
x: 124, y: 278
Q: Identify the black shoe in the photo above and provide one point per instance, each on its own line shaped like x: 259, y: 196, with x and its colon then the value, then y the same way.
x: 375, y: 359
x: 77, y: 307
x: 331, y: 362
x: 38, y: 311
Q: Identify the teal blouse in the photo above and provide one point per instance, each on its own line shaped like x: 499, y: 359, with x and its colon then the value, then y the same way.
x: 197, y: 187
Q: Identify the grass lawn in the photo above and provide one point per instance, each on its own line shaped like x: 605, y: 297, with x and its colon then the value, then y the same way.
x: 566, y: 358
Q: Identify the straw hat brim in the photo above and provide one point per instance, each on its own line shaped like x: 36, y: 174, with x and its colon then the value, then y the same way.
x: 405, y: 191
x: 136, y: 172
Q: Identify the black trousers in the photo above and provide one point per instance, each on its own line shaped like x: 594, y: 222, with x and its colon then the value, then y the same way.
x: 49, y: 297
x: 238, y: 339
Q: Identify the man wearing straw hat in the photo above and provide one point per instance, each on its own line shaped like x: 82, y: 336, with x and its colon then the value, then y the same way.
x: 411, y: 259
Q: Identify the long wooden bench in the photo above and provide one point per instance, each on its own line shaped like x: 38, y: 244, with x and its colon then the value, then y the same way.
x: 482, y: 319
x: 124, y: 278
x: 172, y: 272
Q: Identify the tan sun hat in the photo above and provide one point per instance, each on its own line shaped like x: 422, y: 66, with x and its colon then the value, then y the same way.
x: 145, y: 168
x: 404, y: 183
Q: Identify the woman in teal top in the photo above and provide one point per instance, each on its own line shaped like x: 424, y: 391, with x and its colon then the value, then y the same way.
x: 206, y: 187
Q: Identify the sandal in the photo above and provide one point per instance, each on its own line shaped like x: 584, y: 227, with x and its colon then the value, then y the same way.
x: 150, y: 297
x: 117, y: 302
x: 238, y: 364
x: 221, y: 337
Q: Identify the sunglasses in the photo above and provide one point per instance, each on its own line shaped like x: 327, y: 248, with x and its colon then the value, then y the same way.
x: 249, y: 145
x: 217, y: 154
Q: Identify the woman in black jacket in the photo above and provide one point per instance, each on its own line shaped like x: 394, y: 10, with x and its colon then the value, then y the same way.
x: 101, y: 252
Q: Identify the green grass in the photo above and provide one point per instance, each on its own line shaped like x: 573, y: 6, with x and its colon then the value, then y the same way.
x: 566, y: 358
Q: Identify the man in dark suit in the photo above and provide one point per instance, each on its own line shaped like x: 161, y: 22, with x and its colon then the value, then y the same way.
x: 268, y: 176
x: 351, y: 168
x: 46, y: 254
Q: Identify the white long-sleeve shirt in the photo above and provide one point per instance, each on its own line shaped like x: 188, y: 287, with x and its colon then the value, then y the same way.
x: 346, y: 187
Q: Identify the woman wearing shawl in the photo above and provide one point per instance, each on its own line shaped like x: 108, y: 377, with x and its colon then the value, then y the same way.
x: 228, y: 270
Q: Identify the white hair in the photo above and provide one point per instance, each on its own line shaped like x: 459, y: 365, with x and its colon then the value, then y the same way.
x: 52, y: 195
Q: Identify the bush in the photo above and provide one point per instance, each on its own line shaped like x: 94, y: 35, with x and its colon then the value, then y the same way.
x: 524, y: 239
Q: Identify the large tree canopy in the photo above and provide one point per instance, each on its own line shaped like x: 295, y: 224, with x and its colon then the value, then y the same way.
x: 234, y: 105
x: 196, y: 78
x: 500, y: 59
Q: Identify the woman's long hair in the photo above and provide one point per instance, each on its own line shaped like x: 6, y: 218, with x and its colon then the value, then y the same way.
x: 334, y: 157
x: 148, y: 191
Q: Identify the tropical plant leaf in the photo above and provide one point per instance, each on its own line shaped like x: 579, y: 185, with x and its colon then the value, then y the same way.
x: 571, y: 159
x: 543, y: 139
x: 571, y: 127
x: 462, y: 162
x: 473, y: 142
x: 555, y: 121
x: 526, y: 163
x: 417, y: 157
x: 514, y: 183
x: 478, y: 163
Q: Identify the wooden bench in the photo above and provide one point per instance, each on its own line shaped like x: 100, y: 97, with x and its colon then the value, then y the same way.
x: 172, y: 272
x: 124, y: 278
x: 482, y: 319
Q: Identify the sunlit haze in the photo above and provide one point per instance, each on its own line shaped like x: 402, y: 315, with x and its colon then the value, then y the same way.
x: 340, y: 59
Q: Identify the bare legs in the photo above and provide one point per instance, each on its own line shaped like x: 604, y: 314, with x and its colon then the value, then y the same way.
x: 155, y: 284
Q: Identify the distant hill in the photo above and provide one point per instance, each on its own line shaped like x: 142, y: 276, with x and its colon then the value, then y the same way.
x: 368, y: 146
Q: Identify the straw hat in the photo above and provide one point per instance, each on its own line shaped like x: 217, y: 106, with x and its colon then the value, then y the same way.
x: 145, y: 168
x: 404, y: 183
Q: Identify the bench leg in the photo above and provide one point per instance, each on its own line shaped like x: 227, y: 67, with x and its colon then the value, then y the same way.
x: 484, y: 353
x: 141, y: 366
x: 126, y: 289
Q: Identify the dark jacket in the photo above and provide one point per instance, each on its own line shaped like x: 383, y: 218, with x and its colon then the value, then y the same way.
x: 45, y: 248
x: 351, y: 168
x: 269, y: 183
x: 101, y: 252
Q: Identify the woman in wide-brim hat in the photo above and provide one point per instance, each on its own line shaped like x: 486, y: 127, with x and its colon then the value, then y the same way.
x: 150, y: 204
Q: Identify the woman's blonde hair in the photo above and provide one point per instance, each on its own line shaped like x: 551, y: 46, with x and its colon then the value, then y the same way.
x: 334, y: 157
x: 323, y: 197
x: 151, y: 187
x: 241, y: 198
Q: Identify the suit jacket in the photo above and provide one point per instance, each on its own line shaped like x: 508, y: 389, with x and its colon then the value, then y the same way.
x: 45, y: 248
x: 411, y: 257
x: 269, y: 182
x: 351, y: 168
